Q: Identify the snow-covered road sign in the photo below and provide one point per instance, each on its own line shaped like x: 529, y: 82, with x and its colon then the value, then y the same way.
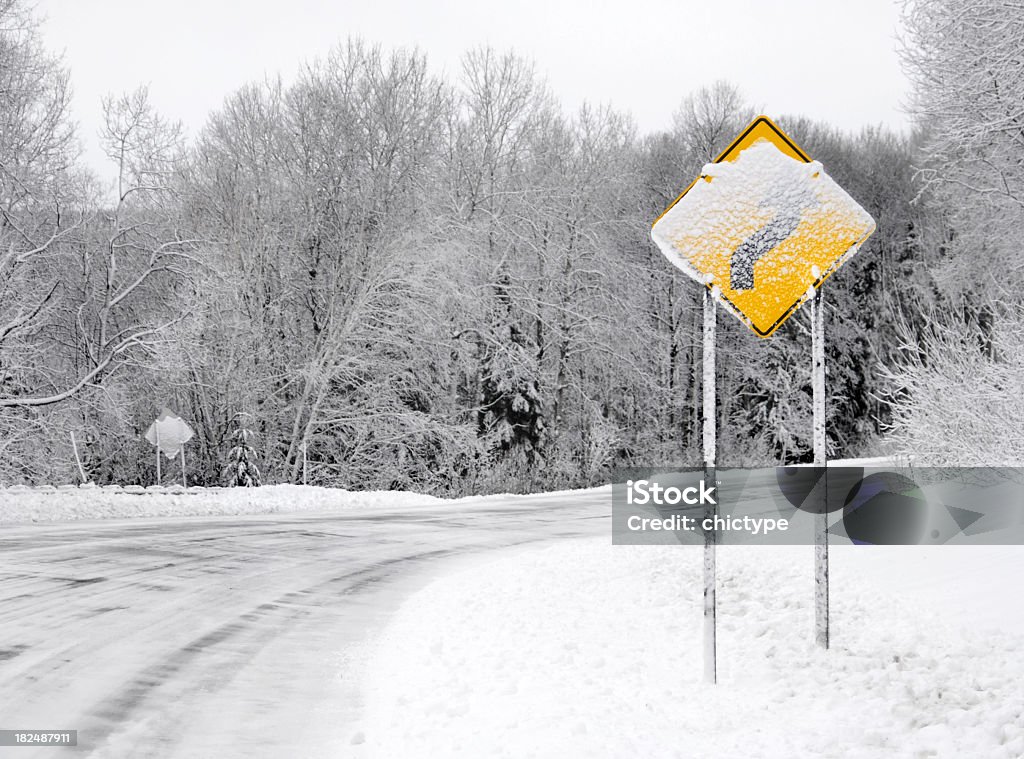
x: 762, y: 227
x: 169, y: 433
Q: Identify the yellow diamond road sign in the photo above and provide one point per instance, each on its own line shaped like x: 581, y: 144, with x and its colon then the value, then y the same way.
x: 762, y: 226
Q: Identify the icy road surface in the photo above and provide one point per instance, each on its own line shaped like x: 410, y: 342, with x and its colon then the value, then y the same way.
x: 228, y: 637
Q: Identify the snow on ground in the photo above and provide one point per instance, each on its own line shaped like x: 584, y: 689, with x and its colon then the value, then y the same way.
x: 47, y: 504
x: 583, y: 649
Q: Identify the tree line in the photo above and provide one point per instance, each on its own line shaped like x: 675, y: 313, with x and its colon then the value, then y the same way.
x: 403, y: 281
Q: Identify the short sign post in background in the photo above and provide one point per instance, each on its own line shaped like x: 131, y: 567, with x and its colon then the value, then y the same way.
x: 761, y: 229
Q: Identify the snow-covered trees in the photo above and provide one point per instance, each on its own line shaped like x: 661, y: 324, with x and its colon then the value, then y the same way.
x: 963, y: 57
x: 957, y: 393
x: 86, y: 280
x: 321, y: 199
x: 958, y: 382
x: 100, y: 264
x: 448, y: 284
x: 39, y: 211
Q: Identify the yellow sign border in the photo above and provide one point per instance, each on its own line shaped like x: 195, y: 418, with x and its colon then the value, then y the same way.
x: 764, y: 128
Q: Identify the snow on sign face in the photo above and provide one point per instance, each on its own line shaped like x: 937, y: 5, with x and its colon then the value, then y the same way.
x: 762, y: 226
x: 170, y: 432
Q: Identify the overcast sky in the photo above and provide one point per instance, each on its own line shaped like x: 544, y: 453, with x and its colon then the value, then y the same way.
x: 829, y: 59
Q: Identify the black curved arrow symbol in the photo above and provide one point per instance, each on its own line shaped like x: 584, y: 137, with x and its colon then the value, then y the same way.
x: 755, y: 247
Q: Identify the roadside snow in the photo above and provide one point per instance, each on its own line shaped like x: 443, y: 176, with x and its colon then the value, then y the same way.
x: 584, y: 649
x: 49, y: 504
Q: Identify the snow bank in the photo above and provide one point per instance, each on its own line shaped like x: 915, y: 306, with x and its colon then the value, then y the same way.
x: 46, y: 504
x: 590, y: 650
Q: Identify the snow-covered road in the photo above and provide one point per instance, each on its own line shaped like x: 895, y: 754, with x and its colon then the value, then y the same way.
x: 223, y: 637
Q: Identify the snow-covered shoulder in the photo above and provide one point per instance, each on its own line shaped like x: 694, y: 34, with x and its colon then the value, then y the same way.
x: 587, y: 649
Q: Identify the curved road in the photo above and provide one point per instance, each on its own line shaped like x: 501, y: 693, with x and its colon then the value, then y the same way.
x: 228, y: 637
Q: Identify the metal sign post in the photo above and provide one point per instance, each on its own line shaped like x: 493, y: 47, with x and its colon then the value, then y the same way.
x: 821, y: 626
x: 157, y: 455
x: 710, y: 509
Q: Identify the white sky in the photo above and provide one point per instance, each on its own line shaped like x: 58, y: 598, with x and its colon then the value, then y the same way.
x: 829, y: 59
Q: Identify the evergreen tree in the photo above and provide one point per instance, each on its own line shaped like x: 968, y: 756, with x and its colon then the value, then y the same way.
x: 241, y: 469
